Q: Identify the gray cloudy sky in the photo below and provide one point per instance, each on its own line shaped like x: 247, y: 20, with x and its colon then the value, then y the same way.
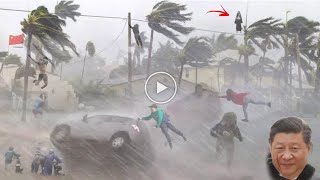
x: 103, y: 31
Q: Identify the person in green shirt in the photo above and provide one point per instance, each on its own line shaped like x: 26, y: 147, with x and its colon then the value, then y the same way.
x: 163, y: 122
x: 9, y: 155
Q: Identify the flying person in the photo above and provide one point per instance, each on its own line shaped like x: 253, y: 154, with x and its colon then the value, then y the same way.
x: 238, y: 22
x: 225, y: 131
x: 163, y: 122
x: 243, y: 100
x: 135, y: 30
x: 43, y: 71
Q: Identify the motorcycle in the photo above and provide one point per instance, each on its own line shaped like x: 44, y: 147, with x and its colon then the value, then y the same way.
x: 18, y: 165
x: 57, y: 169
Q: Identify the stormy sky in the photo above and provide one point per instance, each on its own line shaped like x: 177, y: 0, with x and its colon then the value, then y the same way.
x: 103, y: 32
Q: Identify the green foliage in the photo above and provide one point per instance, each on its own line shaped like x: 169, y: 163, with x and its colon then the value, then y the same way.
x: 308, y: 44
x: 47, y: 27
x: 222, y: 43
x: 165, y: 59
x: 65, y: 9
x: 167, y: 17
x: 196, y: 49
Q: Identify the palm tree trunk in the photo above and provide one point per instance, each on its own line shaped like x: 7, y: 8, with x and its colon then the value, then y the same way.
x: 181, y: 72
x: 196, y: 83
x: 61, y: 70
x: 2, y: 64
x: 317, y: 82
x: 84, y: 64
x: 246, y: 68
x: 286, y: 62
x: 26, y: 82
x: 138, y: 60
x: 149, y: 53
x: 299, y: 64
x: 52, y: 65
x: 218, y: 76
x: 240, y: 56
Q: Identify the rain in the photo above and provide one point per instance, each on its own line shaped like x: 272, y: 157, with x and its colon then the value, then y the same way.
x: 154, y: 90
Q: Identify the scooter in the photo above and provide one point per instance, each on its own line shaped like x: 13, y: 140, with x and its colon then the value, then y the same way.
x: 19, y: 167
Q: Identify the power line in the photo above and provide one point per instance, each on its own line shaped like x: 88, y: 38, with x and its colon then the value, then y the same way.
x: 104, y: 49
x: 124, y: 18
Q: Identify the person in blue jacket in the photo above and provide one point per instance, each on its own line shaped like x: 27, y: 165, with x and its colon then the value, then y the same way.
x: 48, y: 162
x: 163, y: 122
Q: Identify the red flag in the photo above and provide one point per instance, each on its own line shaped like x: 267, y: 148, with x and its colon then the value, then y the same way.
x: 16, y: 39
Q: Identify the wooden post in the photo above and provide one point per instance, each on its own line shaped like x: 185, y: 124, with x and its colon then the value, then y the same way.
x: 129, y: 55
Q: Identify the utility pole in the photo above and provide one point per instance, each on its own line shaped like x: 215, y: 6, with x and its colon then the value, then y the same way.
x: 129, y: 56
x: 299, y: 63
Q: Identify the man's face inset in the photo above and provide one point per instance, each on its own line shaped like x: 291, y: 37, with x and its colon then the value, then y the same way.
x: 289, y: 154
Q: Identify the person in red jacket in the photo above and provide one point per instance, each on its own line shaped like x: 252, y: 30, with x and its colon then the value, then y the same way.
x: 243, y: 100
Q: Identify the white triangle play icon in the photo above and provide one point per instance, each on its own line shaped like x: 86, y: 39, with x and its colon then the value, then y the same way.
x: 161, y: 87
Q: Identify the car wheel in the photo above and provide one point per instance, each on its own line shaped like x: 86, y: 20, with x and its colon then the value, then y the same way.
x: 119, y: 140
x: 61, y: 134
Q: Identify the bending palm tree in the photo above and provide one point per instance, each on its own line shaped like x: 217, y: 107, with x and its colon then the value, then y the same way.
x: 263, y: 29
x: 65, y: 9
x: 42, y: 25
x: 196, y: 52
x: 306, y: 29
x: 164, y: 16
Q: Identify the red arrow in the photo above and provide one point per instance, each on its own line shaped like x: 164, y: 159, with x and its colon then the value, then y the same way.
x: 223, y: 13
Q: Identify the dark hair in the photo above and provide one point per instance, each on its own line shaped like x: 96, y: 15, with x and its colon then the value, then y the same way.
x: 291, y: 125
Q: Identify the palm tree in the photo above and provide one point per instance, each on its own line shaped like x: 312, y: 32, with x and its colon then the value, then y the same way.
x: 263, y: 29
x: 314, y: 55
x: 165, y: 17
x: 306, y: 30
x: 42, y: 25
x: 246, y: 50
x: 65, y: 9
x: 165, y: 59
x: 222, y: 43
x: 196, y: 52
x: 90, y: 49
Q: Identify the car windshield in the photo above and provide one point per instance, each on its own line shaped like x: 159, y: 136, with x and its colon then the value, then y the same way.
x: 108, y: 118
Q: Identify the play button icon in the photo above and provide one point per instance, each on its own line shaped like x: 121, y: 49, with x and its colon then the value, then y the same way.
x: 160, y: 87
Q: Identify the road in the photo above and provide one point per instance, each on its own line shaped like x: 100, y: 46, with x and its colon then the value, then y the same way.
x: 193, y: 159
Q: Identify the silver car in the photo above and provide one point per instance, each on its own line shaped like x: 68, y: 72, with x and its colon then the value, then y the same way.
x: 103, y: 140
